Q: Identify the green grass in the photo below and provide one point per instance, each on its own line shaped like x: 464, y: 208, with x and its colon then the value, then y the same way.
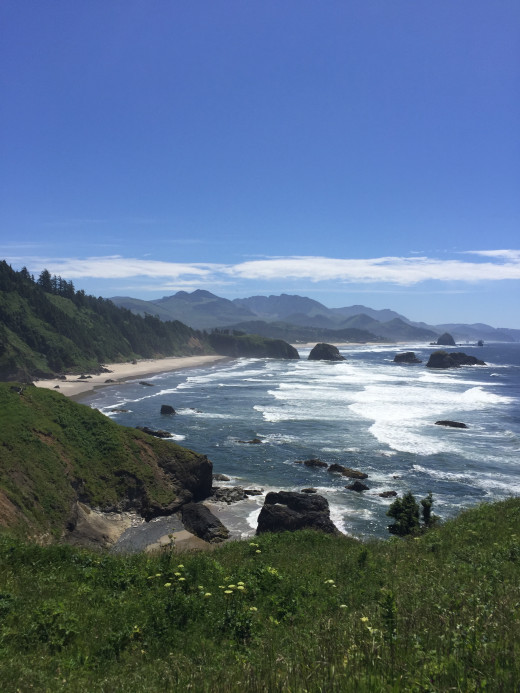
x: 54, y: 450
x: 316, y: 613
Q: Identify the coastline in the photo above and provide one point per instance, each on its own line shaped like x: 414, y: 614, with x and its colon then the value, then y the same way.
x: 74, y: 386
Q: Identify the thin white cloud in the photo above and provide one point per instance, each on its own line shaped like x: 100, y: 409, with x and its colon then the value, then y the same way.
x: 401, y: 271
x: 513, y: 255
x: 393, y: 270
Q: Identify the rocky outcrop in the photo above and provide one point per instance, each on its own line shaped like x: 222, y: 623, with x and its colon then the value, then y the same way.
x: 233, y: 494
x: 200, y: 521
x: 315, y: 462
x: 94, y: 529
x: 220, y: 477
x: 444, y: 359
x: 407, y: 357
x: 254, y: 441
x: 152, y: 432
x: 451, y: 424
x: 167, y: 409
x: 358, y: 486
x: 325, y: 352
x: 445, y: 340
x: 346, y: 471
x: 290, y: 511
x: 387, y: 494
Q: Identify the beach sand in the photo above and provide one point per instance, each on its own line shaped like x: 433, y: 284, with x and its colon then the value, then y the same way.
x: 74, y: 385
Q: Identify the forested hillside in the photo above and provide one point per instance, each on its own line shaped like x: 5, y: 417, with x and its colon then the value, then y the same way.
x: 47, y: 328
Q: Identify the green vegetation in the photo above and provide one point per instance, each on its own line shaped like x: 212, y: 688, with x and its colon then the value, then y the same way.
x: 286, y: 612
x: 234, y: 343
x: 406, y: 513
x: 55, y: 451
x: 47, y: 327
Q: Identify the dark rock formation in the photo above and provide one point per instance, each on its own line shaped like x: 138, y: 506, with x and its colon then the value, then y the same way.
x: 167, y: 409
x: 254, y: 441
x: 309, y: 490
x: 199, y: 520
x: 443, y: 359
x: 143, y: 382
x: 220, y: 477
x: 406, y: 357
x: 311, y: 463
x: 387, y: 494
x: 357, y: 486
x: 451, y: 424
x: 346, y: 471
x: 109, y: 380
x: 153, y: 432
x: 290, y: 511
x: 118, y: 411
x: 480, y: 342
x: 325, y: 352
x: 233, y: 494
x: 445, y: 340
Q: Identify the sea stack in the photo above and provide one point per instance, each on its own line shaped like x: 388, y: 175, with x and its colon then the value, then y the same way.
x: 325, y: 352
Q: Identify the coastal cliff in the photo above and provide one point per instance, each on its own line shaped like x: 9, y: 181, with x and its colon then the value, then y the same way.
x: 56, y: 453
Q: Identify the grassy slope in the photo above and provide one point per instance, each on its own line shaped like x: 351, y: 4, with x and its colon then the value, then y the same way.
x: 317, y: 613
x: 53, y: 449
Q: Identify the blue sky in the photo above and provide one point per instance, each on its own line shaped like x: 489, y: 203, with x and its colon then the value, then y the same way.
x: 353, y: 151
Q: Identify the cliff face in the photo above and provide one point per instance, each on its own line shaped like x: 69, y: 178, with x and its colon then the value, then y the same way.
x: 55, y: 453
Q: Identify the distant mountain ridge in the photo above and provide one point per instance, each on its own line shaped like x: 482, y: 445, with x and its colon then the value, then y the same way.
x: 295, y: 318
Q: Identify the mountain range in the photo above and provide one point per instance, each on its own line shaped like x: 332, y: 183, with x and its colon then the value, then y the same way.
x: 301, y: 319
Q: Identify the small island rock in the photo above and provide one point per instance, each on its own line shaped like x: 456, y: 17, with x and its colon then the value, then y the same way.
x: 357, y: 486
x: 445, y: 340
x: 167, y: 409
x: 407, y: 357
x: 325, y: 352
x: 443, y: 359
x: 290, y: 511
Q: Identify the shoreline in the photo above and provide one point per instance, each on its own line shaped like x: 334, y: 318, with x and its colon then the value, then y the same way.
x: 75, y: 386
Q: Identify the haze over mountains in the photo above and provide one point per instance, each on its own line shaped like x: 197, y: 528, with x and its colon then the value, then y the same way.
x: 297, y: 318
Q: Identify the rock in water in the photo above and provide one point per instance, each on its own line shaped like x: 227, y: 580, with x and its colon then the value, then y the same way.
x: 443, y: 359
x: 346, y: 471
x: 325, y: 352
x: 167, y: 409
x: 446, y: 340
x: 407, y: 357
x: 290, y: 511
x: 451, y: 424
x: 357, y: 486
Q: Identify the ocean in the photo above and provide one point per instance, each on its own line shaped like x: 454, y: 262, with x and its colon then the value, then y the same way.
x: 367, y: 413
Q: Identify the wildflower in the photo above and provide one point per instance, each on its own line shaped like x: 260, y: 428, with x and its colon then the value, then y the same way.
x: 207, y: 594
x: 167, y: 584
x: 240, y: 583
x: 342, y: 606
x: 329, y: 582
x: 181, y: 579
x: 240, y: 587
x: 258, y: 551
x: 228, y: 591
x: 180, y: 565
x: 232, y: 587
x: 201, y: 587
x: 177, y: 574
x: 158, y: 574
x: 253, y: 608
x: 364, y: 619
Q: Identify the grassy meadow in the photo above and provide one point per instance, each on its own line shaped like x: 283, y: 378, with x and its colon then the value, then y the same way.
x: 283, y: 612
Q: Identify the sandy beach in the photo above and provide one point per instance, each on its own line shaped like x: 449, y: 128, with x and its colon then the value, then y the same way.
x: 75, y: 385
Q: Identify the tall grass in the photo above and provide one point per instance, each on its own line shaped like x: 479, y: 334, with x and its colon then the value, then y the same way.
x: 285, y: 612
